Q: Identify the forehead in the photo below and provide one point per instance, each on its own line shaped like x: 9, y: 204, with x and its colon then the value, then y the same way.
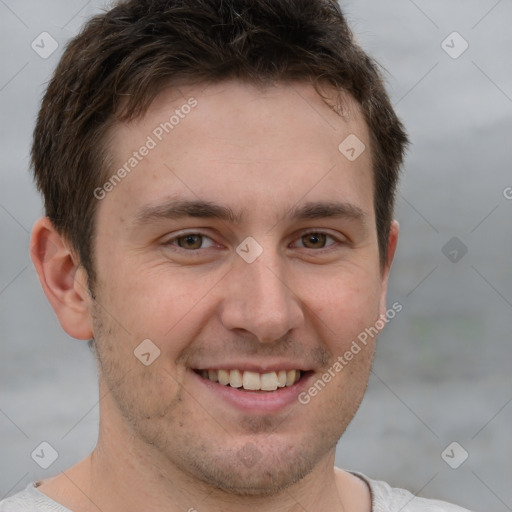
x: 244, y: 146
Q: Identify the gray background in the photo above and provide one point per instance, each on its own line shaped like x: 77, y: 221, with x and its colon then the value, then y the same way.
x: 442, y: 369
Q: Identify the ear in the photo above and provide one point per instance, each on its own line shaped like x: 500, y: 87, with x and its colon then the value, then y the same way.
x: 391, y: 248
x: 63, y: 279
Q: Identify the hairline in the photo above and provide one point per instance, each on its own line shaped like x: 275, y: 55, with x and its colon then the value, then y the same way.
x: 104, y: 158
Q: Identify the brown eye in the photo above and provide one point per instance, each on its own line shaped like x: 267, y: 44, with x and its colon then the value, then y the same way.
x: 190, y: 241
x: 314, y: 240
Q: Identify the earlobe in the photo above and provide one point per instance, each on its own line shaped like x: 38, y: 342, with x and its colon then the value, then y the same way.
x: 63, y: 280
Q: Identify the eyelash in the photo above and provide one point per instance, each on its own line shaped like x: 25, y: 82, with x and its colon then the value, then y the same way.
x: 328, y: 235
x: 171, y: 241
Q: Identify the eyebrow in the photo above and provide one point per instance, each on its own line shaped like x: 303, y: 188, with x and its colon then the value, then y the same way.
x: 176, y: 209
x: 320, y: 210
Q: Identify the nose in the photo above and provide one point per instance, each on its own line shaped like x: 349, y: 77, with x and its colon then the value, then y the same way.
x: 259, y: 300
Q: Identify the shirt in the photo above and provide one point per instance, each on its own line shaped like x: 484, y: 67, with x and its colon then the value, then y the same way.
x: 384, y: 499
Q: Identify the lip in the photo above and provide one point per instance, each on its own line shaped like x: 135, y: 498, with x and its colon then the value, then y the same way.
x: 253, y: 402
x: 252, y: 367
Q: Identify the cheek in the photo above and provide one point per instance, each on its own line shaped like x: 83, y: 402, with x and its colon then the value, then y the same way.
x: 157, y: 302
x: 136, y: 372
x: 346, y: 303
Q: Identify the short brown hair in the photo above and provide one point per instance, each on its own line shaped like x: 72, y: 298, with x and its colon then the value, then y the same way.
x: 121, y: 59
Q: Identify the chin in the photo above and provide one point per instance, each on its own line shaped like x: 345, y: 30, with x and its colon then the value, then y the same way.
x: 252, y: 482
x: 251, y: 472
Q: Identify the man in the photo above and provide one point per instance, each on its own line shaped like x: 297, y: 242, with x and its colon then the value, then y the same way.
x: 218, y: 180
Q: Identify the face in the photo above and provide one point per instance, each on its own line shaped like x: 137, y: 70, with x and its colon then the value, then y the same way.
x: 243, y: 245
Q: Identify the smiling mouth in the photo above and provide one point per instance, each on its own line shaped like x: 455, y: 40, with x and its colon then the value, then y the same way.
x: 253, y: 381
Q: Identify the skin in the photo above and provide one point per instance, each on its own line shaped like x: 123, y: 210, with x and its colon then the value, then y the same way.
x: 165, y: 441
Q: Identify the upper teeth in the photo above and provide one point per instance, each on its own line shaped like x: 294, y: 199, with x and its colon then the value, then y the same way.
x: 252, y: 380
